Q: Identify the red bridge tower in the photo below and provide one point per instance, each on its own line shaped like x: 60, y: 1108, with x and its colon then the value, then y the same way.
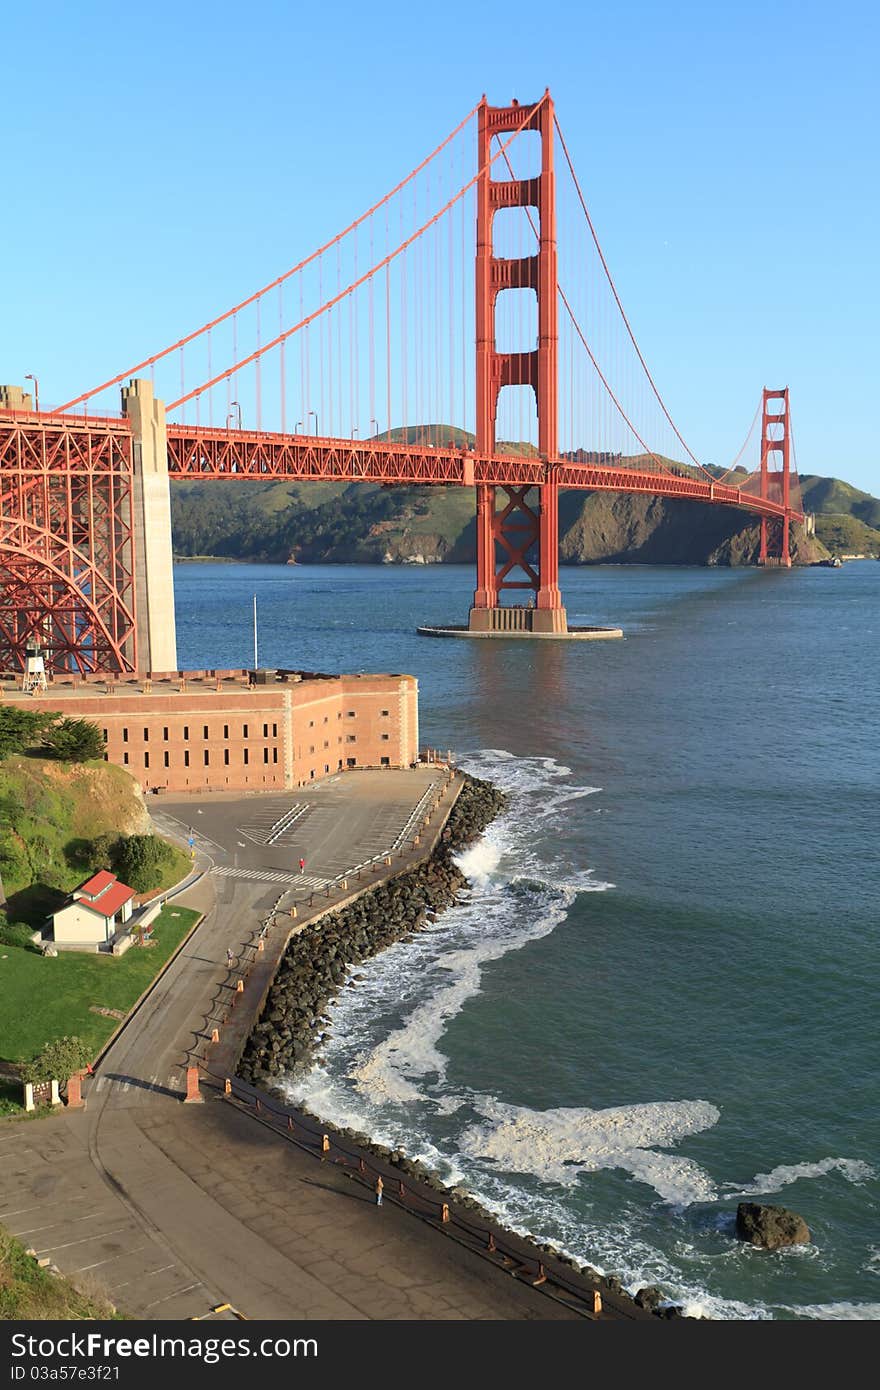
x: 529, y: 519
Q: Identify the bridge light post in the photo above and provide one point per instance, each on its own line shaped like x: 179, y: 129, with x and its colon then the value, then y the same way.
x: 238, y: 407
x: 297, y: 427
x: 315, y: 413
x: 376, y: 423
x: 354, y: 431
x: 29, y: 376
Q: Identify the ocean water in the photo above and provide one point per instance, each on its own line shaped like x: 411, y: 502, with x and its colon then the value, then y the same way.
x: 661, y: 996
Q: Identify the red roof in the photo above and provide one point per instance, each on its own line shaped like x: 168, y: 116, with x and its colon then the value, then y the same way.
x: 103, y: 893
x: 111, y: 900
x: 98, y: 883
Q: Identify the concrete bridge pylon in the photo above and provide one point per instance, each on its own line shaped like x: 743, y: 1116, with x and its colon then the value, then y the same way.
x: 154, y: 576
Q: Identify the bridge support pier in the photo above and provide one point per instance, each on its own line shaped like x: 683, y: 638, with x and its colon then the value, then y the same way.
x: 154, y: 577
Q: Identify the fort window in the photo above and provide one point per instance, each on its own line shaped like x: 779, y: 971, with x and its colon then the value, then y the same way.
x: 225, y: 730
x: 385, y: 713
x: 274, y: 755
x: 205, y: 730
x: 265, y: 731
x: 311, y: 723
x: 105, y: 735
x: 351, y: 738
x: 326, y: 743
x: 226, y: 757
x: 326, y: 767
x: 312, y: 748
x: 186, y: 757
x: 207, y: 758
x: 351, y: 762
x: 186, y: 731
x: 386, y: 762
x: 165, y: 734
x: 350, y: 713
x: 125, y: 759
x: 244, y: 730
x: 146, y: 735
x: 265, y: 755
x: 326, y: 719
x: 386, y: 737
x: 146, y: 760
x: 246, y: 759
x: 167, y: 760
x: 125, y: 735
x: 274, y: 730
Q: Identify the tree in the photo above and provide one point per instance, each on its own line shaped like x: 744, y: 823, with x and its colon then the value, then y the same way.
x: 20, y: 729
x: 141, y: 860
x: 58, y: 1059
x: 74, y: 741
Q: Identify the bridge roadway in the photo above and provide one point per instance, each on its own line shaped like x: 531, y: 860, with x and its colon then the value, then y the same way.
x: 171, y: 1210
x: 198, y: 451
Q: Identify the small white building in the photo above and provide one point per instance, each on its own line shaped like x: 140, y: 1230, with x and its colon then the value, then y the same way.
x: 94, y: 912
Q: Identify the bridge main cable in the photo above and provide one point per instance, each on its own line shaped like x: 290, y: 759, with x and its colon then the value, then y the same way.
x: 266, y: 289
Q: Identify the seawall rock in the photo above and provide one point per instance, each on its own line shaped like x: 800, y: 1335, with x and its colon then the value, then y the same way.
x: 314, y: 966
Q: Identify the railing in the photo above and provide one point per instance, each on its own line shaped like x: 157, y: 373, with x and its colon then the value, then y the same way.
x: 504, y: 1250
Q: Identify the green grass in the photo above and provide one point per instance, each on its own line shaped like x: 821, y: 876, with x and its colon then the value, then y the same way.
x: 28, y: 1292
x: 49, y: 997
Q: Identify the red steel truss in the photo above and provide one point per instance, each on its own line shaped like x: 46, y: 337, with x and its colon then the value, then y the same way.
x: 66, y: 543
x: 199, y: 452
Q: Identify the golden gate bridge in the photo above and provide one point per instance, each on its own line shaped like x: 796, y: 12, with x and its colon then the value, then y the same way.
x: 396, y: 353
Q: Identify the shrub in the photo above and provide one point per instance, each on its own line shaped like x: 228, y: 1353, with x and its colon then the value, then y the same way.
x: 58, y: 1059
x: 15, y: 933
x: 140, y: 861
x: 20, y: 729
x: 74, y: 741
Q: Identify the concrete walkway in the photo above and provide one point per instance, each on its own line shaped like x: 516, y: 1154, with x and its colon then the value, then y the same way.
x: 170, y: 1210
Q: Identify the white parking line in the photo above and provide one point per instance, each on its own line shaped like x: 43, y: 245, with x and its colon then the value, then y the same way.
x: 109, y: 1260
x: 102, y: 1235
x: 33, y: 1230
x: 176, y: 1294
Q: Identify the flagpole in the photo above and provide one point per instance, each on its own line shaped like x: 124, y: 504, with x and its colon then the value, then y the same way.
x: 256, y: 661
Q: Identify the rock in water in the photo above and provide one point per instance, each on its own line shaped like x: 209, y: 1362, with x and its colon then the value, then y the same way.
x: 770, y: 1227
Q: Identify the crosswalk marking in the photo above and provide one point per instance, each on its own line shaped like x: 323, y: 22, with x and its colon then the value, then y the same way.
x: 270, y: 876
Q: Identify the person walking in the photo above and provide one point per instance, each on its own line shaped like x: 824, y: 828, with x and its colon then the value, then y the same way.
x: 229, y: 957
x: 302, y: 865
x: 379, y: 1186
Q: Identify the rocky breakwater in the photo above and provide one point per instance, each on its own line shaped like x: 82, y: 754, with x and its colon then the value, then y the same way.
x: 314, y: 968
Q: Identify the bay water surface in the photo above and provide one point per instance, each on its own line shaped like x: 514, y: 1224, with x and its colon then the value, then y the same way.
x: 661, y: 997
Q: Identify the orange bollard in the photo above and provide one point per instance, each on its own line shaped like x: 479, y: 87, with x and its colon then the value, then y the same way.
x: 444, y: 1215
x: 261, y: 945
x: 239, y: 988
x: 215, y: 1035
x: 597, y: 1301
x: 193, y: 1094
x: 325, y: 1143
x: 227, y: 1087
x: 490, y: 1245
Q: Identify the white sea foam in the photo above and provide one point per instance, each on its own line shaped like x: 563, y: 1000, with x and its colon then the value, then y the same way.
x: 557, y: 1145
x: 835, y: 1312
x: 763, y: 1184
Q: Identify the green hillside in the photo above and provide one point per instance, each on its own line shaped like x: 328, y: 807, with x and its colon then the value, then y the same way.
x: 290, y: 522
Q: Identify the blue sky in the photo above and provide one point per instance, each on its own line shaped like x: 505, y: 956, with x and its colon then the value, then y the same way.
x: 162, y: 162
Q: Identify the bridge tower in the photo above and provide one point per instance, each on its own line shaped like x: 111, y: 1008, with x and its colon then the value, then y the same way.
x: 507, y: 538
x: 775, y: 480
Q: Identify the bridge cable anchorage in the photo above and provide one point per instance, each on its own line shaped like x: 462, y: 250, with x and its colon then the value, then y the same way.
x: 386, y: 260
x: 273, y: 284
